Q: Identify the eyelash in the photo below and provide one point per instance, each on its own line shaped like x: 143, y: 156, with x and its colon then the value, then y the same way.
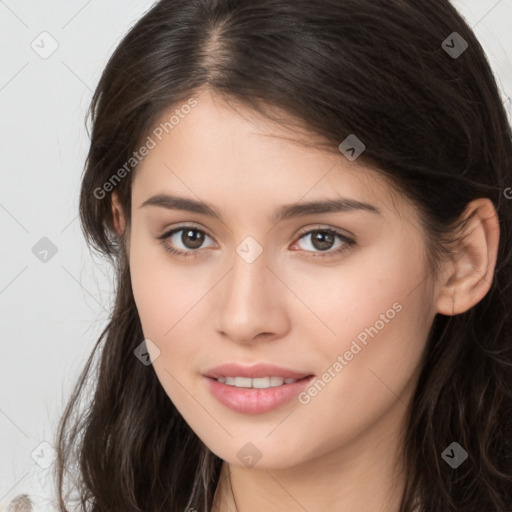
x: 347, y: 242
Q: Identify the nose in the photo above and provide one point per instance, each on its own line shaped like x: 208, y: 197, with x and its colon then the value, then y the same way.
x: 252, y: 302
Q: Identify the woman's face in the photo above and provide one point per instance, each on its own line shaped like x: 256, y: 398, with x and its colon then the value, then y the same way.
x: 351, y: 306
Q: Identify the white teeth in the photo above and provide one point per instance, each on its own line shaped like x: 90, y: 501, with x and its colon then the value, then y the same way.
x: 243, y: 382
x: 258, y: 383
x: 276, y: 381
x: 262, y: 382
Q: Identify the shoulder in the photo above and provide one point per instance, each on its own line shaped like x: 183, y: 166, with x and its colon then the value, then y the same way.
x: 35, y: 494
x: 28, y: 503
x: 21, y: 503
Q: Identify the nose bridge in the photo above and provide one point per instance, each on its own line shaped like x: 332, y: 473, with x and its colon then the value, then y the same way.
x: 247, y: 284
x: 250, y: 302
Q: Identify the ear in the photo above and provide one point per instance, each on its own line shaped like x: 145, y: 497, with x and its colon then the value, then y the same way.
x: 471, y: 272
x: 118, y: 219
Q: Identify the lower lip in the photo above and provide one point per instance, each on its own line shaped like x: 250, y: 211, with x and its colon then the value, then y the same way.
x: 253, y: 400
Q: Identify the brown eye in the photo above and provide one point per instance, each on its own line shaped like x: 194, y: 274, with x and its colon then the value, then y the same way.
x: 192, y: 238
x: 323, y: 240
x: 188, y: 244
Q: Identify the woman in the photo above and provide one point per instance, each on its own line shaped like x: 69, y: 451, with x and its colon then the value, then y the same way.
x: 305, y: 206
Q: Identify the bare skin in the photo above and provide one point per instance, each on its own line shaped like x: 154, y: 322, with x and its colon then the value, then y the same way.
x: 295, y: 305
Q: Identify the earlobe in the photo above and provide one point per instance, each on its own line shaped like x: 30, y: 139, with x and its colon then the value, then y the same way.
x: 118, y: 220
x: 475, y: 253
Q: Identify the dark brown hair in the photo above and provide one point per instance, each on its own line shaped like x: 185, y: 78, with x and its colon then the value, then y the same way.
x: 432, y: 122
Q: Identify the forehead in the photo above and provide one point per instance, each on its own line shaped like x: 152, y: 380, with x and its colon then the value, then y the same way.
x: 222, y: 150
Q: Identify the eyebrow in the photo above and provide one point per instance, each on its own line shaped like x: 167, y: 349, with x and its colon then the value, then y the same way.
x: 285, y: 212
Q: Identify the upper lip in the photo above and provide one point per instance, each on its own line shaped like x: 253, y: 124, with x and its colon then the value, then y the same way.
x: 255, y: 371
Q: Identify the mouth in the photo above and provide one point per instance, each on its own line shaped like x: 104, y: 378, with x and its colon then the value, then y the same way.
x: 256, y: 389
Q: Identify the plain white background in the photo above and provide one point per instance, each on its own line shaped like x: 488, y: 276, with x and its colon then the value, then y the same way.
x: 53, y: 311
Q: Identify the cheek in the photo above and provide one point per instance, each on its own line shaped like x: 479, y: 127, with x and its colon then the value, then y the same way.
x: 378, y: 310
x: 166, y: 302
x: 374, y: 292
x: 157, y: 288
x: 169, y: 297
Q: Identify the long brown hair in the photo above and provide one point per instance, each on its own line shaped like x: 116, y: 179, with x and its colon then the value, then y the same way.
x: 432, y: 121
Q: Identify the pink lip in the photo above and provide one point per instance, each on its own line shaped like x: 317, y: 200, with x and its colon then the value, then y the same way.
x: 252, y: 400
x: 255, y: 371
